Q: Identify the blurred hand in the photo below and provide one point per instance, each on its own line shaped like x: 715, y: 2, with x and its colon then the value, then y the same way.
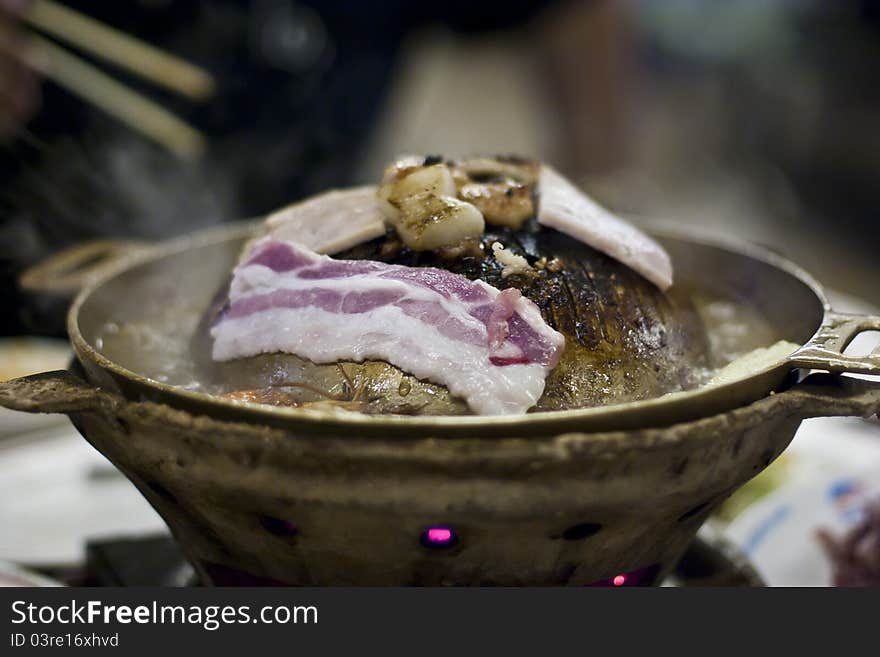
x: 19, y: 86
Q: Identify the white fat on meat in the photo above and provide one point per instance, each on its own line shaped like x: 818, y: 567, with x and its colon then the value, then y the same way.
x: 330, y: 222
x: 564, y: 207
x: 492, y: 348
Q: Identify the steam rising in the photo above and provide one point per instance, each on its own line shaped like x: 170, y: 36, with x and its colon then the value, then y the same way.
x: 118, y: 187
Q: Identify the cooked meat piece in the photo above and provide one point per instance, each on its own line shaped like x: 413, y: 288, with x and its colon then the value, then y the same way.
x: 502, y: 188
x: 422, y: 206
x: 505, y: 203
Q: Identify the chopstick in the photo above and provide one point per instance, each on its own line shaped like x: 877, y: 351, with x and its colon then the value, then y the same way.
x: 120, y: 49
x: 101, y: 90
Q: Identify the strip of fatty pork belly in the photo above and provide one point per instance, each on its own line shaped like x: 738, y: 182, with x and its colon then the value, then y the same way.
x: 491, y: 348
x: 564, y: 207
x: 330, y: 222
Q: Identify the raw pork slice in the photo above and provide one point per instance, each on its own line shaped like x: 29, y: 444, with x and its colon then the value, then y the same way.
x: 564, y: 207
x: 491, y: 348
x: 330, y: 222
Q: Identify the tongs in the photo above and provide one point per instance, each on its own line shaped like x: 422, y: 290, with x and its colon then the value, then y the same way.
x: 125, y: 52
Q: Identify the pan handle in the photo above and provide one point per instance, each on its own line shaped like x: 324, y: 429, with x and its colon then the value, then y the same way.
x: 65, y: 273
x: 58, y: 391
x: 824, y: 351
x: 831, y: 395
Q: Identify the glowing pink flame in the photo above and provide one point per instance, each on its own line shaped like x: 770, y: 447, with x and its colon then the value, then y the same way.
x: 640, y: 577
x: 439, y: 535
